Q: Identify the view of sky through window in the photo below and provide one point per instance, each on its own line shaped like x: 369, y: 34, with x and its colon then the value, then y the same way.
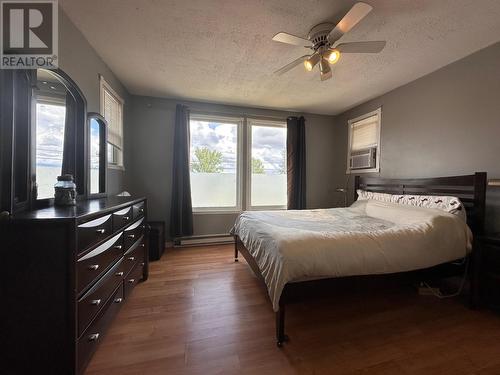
x: 214, y: 164
x: 49, y: 146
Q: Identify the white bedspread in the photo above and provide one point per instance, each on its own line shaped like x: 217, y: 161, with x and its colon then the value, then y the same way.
x: 370, y: 237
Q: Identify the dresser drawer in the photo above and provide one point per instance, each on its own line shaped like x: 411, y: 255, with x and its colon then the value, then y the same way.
x: 122, y: 218
x: 138, y: 210
x: 132, y: 234
x: 91, y: 232
x: 132, y: 257
x: 88, y: 342
x: 133, y: 278
x: 90, y: 304
x: 94, y: 264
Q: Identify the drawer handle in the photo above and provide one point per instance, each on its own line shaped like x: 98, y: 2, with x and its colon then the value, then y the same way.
x: 142, y: 264
x: 119, y: 273
x: 125, y: 218
x: 131, y: 258
x: 132, y: 236
x: 93, y: 267
x: 95, y: 302
x: 118, y: 247
x: 101, y: 230
x: 118, y: 300
x: 131, y: 281
x: 141, y: 210
x: 93, y: 337
x: 142, y: 245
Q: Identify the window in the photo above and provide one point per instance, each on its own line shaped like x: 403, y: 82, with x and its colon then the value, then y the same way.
x: 364, y: 143
x: 267, y: 174
x: 226, y: 179
x: 112, y: 110
x: 215, y: 163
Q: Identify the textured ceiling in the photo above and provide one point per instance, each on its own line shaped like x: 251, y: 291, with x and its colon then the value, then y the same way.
x: 221, y: 50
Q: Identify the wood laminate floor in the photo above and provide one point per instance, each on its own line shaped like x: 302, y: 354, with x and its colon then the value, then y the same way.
x: 202, y: 313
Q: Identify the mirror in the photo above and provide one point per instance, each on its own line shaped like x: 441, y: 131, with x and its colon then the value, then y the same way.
x: 50, y: 115
x: 58, y: 133
x: 97, y: 154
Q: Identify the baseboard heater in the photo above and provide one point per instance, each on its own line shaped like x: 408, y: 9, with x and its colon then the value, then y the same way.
x: 209, y: 239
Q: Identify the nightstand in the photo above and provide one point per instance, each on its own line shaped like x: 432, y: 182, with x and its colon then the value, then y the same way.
x: 489, y: 269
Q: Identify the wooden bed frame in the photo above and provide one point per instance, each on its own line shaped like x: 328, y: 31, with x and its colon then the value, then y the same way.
x: 471, y: 189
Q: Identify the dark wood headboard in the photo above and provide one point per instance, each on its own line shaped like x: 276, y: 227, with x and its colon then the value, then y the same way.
x: 470, y: 189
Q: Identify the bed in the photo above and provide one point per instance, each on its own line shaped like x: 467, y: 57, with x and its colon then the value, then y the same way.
x: 297, y: 254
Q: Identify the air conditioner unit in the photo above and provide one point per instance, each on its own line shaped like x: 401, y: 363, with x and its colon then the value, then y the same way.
x: 364, y: 159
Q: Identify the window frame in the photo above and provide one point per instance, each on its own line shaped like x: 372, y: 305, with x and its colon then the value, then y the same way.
x: 119, y: 153
x: 350, y: 124
x: 239, y: 122
x: 251, y: 121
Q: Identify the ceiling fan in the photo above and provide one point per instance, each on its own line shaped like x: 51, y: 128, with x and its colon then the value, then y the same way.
x: 322, y: 41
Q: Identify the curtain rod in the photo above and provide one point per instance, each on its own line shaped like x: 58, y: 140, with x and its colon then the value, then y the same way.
x: 238, y: 114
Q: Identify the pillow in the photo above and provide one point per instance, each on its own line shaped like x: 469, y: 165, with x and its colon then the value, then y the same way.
x: 449, y: 204
x: 367, y: 195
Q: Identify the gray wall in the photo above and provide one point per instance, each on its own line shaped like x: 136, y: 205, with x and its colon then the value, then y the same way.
x: 149, y: 142
x: 446, y: 123
x: 80, y: 61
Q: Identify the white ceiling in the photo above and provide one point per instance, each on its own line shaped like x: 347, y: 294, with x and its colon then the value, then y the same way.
x: 221, y: 50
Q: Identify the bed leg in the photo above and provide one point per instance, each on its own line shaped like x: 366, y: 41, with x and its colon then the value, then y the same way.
x: 235, y: 249
x: 280, y: 326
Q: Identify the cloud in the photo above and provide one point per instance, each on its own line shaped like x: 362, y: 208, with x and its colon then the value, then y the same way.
x: 50, y: 134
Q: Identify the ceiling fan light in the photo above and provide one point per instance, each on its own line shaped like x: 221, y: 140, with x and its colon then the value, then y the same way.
x: 325, y: 70
x: 324, y: 67
x: 333, y: 56
x: 311, y: 62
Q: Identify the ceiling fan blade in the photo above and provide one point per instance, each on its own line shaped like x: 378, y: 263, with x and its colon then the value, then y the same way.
x: 291, y: 65
x: 361, y: 47
x: 291, y: 39
x: 357, y: 13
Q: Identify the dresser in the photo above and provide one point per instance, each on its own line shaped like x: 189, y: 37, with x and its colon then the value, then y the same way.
x: 65, y: 274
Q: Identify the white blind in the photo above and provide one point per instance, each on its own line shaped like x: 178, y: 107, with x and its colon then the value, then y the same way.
x: 365, y: 133
x: 113, y: 113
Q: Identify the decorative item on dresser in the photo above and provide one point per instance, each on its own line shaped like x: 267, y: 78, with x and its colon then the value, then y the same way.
x: 67, y: 271
x: 488, y: 247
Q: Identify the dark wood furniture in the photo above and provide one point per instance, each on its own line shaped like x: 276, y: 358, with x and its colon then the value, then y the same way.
x: 156, y: 239
x: 66, y: 272
x: 471, y: 189
x: 488, y: 247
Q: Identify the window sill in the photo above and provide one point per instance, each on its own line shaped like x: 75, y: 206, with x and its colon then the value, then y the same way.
x: 117, y: 167
x: 355, y: 171
x: 215, y: 212
x: 267, y: 208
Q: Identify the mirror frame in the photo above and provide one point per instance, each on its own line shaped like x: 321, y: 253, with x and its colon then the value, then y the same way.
x: 103, y: 154
x: 79, y: 164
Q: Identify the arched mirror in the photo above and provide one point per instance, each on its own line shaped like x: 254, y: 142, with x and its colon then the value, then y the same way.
x: 97, y: 154
x: 58, y: 134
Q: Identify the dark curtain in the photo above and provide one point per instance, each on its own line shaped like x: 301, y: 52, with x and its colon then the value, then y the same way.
x: 69, y: 147
x: 296, y: 162
x: 181, y: 218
